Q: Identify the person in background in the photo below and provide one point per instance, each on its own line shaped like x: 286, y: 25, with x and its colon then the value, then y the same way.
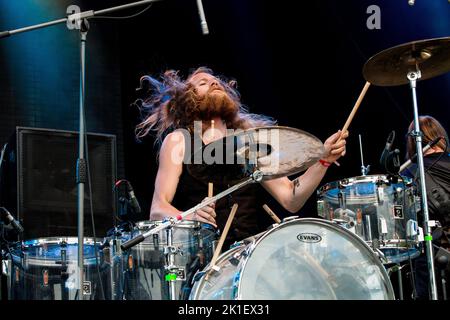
x: 437, y: 181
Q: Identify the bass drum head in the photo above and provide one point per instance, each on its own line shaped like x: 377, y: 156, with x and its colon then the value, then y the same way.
x: 312, y: 259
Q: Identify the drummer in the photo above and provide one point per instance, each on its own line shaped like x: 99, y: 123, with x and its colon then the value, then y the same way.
x: 175, y: 106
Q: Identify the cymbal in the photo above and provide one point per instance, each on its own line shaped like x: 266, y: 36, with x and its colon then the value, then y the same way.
x: 276, y: 151
x: 391, y: 66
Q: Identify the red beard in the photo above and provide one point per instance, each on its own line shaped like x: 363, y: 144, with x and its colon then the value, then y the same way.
x: 217, y: 104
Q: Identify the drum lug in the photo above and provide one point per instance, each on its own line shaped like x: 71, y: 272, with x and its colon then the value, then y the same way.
x: 381, y: 256
x: 380, y: 195
x: 394, y: 268
x: 290, y: 218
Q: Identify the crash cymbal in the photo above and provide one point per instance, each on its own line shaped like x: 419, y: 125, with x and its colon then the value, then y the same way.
x: 391, y: 66
x: 276, y: 151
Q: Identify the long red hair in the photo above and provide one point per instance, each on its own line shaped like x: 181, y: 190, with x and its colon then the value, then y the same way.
x: 174, y: 104
x: 431, y: 129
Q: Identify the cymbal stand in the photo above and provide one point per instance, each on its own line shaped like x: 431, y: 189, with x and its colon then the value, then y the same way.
x: 256, y: 176
x: 413, y: 76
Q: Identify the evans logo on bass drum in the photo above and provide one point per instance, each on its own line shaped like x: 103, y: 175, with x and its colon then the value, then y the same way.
x: 309, y: 237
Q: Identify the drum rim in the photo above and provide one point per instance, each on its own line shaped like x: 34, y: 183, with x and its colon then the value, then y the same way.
x: 252, y: 246
x: 37, y: 260
x: 200, y: 282
x: 360, y: 179
x: 58, y: 240
x: 184, y: 224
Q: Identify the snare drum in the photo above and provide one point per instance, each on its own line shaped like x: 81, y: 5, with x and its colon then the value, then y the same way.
x: 46, y: 269
x: 299, y: 259
x: 381, y: 211
x: 146, y: 275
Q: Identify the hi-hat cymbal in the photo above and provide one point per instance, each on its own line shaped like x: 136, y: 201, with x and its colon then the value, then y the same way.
x: 391, y: 66
x: 275, y: 151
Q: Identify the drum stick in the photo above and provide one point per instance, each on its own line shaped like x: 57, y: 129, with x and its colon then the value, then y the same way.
x: 222, y: 238
x: 210, y: 189
x: 352, y: 114
x: 271, y: 213
x: 355, y: 108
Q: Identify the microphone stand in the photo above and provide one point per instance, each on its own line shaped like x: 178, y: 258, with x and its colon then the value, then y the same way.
x: 82, y: 24
x: 413, y: 77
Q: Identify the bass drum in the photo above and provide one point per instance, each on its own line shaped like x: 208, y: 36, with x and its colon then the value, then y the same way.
x: 303, y: 259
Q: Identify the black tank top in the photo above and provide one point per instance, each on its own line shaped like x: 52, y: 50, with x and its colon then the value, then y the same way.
x: 250, y: 217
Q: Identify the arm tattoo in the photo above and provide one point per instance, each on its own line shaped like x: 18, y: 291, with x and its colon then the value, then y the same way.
x: 296, y: 185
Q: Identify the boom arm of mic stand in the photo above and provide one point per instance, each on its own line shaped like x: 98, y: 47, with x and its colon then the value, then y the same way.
x: 72, y: 17
x: 255, y: 177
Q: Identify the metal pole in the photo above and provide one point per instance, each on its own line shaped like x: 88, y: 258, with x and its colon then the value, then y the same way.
x: 413, y: 77
x: 171, y: 251
x: 81, y: 163
x: 400, y: 281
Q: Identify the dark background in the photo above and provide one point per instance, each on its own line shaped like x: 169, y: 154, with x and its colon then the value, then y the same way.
x: 299, y: 62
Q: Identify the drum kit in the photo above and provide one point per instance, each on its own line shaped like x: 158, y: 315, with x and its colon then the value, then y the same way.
x: 367, y: 224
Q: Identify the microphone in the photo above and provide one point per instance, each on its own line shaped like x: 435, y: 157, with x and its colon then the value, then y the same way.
x: 133, y: 201
x: 430, y: 144
x: 10, y: 220
x: 201, y: 13
x: 387, y: 148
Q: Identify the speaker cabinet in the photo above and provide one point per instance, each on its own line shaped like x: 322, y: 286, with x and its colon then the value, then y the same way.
x: 39, y: 182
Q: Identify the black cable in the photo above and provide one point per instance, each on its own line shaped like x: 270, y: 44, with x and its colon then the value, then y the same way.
x: 125, y: 17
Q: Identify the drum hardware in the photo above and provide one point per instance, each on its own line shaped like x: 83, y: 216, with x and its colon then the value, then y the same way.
x: 255, y: 177
x: 368, y: 229
x: 407, y: 64
x: 397, y: 268
x: 364, y: 170
x: 291, y: 218
x: 172, y: 272
x: 64, y: 274
x: 380, y: 194
x: 381, y: 256
x: 341, y: 199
